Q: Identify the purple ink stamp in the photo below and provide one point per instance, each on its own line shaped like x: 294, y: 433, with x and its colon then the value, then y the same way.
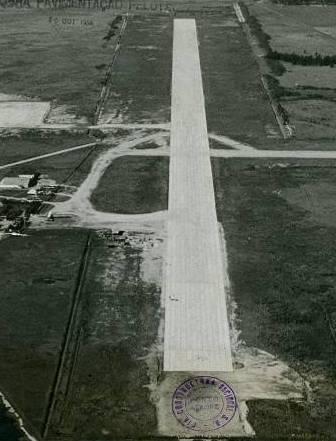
x: 204, y: 403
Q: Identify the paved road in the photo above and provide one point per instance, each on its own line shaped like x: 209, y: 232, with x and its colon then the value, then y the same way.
x: 296, y: 154
x: 196, y: 326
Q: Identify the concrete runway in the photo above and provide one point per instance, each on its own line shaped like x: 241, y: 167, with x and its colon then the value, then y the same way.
x: 196, y: 325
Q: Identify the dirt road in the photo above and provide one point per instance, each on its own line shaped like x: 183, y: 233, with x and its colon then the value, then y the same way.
x: 297, y: 154
x: 80, y: 206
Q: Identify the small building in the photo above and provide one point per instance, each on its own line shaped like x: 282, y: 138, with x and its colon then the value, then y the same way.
x: 26, y: 176
x: 15, y: 183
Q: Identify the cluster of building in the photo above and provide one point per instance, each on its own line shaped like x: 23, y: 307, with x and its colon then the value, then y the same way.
x: 134, y: 239
x: 13, y: 219
x: 15, y: 210
x: 37, y: 185
x: 13, y: 226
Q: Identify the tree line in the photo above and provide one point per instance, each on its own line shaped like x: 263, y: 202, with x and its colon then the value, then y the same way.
x: 303, y: 59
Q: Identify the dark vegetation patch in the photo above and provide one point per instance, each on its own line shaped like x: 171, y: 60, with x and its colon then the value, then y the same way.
x: 304, y: 60
x: 293, y: 421
x: 11, y: 208
x: 133, y: 184
x: 276, y: 89
x: 148, y: 145
x: 113, y: 28
x: 32, y: 316
x: 9, y: 429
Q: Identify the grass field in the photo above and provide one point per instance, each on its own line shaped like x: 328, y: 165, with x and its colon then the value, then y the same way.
x: 37, y: 281
x: 297, y: 29
x: 45, y: 59
x: 119, y: 321
x: 315, y: 77
x: 279, y: 224
x: 140, y: 87
x: 236, y: 104
x: 307, y: 91
x: 313, y: 119
x: 133, y: 184
x: 34, y: 143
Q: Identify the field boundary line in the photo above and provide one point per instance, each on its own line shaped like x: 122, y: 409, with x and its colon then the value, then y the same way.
x: 285, y: 130
x: 105, y: 92
x: 68, y: 334
x: 239, y: 13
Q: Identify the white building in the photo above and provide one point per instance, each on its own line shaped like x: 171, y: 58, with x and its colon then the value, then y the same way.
x: 15, y: 183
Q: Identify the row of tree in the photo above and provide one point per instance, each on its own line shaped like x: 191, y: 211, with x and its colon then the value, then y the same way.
x: 304, y: 60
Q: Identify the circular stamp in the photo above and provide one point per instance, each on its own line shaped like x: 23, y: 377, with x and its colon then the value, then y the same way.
x: 204, y: 403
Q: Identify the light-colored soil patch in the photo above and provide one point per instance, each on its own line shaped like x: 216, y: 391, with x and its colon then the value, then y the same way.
x: 8, y: 97
x: 308, y: 76
x: 22, y: 114
x: 64, y: 115
x: 151, y: 263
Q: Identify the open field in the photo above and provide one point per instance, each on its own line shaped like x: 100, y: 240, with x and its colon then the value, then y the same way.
x: 118, y: 323
x: 133, y: 184
x: 37, y: 281
x: 279, y: 224
x: 314, y: 77
x: 314, y: 119
x: 302, y: 35
x: 140, y: 85
x: 22, y: 146
x: 297, y: 29
x: 46, y: 59
x: 236, y: 103
x: 316, y: 16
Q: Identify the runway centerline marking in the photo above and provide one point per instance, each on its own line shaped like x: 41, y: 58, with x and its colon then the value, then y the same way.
x: 196, y: 324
